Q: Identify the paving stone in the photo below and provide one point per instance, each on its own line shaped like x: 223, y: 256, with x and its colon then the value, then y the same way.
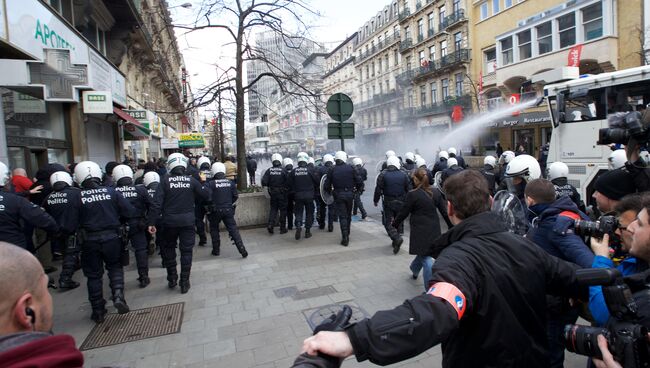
x: 270, y: 353
x: 218, y: 349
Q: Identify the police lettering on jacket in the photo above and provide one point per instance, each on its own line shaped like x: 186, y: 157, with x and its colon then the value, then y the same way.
x: 63, y: 207
x: 303, y: 180
x: 275, y: 177
x: 223, y: 193
x: 179, y: 182
x: 95, y: 195
x: 102, y: 208
x: 137, y: 196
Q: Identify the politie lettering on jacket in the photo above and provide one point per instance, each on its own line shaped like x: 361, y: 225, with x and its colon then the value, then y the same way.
x: 561, y: 190
x: 2, y: 206
x: 301, y: 171
x: 151, y: 192
x: 127, y: 192
x: 95, y: 195
x: 222, y: 183
x: 57, y: 198
x: 179, y: 182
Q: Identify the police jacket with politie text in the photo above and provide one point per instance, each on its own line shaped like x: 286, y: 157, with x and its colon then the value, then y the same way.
x: 223, y: 192
x: 343, y: 178
x: 101, y: 209
x: 275, y: 178
x: 63, y: 206
x: 563, y: 188
x: 175, y: 198
x: 486, y: 306
x: 490, y: 175
x: 139, y: 198
x: 392, y: 184
x: 13, y: 209
x: 302, y: 181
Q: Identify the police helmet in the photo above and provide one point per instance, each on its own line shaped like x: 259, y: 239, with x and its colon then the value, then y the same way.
x: 409, y: 156
x: 390, y: 153
x: 416, y: 157
x: 452, y: 162
x: 328, y: 158
x: 276, y: 157
x: 558, y: 170
x: 287, y: 161
x: 443, y: 154
x: 4, y: 174
x: 303, y: 158
x: 217, y: 168
x: 490, y: 160
x: 122, y: 171
x: 357, y: 161
x: 87, y: 170
x: 617, y: 159
x: 341, y: 155
x: 420, y: 162
x: 525, y: 167
x: 506, y: 157
x: 60, y: 177
x: 451, y: 151
x: 203, y: 161
x: 150, y: 177
x: 311, y: 161
x: 393, y: 161
x: 175, y: 160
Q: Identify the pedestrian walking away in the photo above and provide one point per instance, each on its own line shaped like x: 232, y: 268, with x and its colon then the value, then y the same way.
x: 342, y: 180
x: 357, y: 162
x: 302, y: 182
x: 275, y: 179
x: 392, y: 186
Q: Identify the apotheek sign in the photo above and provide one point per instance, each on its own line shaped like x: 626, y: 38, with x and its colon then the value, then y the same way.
x: 97, y: 102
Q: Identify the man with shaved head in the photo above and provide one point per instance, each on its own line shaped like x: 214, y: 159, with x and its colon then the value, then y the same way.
x: 26, y: 337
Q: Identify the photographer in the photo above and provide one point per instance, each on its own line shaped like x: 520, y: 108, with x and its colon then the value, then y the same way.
x: 611, y: 187
x: 626, y: 211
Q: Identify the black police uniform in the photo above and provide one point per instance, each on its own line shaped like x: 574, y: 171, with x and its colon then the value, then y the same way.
x: 223, y: 195
x: 345, y: 180
x: 409, y: 165
x: 291, y: 198
x: 393, y: 185
x: 489, y: 173
x: 63, y: 205
x: 13, y: 210
x: 275, y: 178
x: 139, y: 198
x: 439, y: 166
x: 199, y: 209
x: 99, y: 215
x: 459, y: 159
x: 446, y: 173
x: 358, y: 204
x: 175, y: 198
x: 151, y: 189
x: 563, y: 188
x: 322, y: 206
x: 302, y: 182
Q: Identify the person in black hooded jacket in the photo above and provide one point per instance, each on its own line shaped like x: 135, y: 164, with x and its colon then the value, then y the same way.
x: 487, y: 299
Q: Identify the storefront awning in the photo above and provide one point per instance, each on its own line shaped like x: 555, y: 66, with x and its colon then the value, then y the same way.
x: 133, y: 130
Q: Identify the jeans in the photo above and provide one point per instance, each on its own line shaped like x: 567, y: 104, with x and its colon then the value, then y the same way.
x: 425, y: 263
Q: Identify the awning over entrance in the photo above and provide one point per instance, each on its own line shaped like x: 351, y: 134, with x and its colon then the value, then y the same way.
x: 133, y: 130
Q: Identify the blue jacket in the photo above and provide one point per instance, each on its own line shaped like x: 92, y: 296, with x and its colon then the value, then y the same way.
x: 552, y: 230
x: 597, y: 306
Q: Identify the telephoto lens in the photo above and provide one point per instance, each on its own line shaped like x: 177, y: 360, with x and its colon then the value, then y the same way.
x: 583, y: 340
x: 604, y: 225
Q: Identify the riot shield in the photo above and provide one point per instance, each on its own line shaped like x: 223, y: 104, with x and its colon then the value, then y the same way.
x: 437, y: 181
x: 327, y: 197
x: 511, y: 211
x: 379, y: 165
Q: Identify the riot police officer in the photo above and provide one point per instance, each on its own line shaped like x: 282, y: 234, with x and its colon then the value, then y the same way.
x: 328, y: 162
x: 287, y: 163
x: 62, y: 204
x: 489, y: 172
x: 441, y: 164
x: 409, y: 161
x: 14, y: 209
x: 139, y: 198
x: 344, y: 180
x: 275, y: 178
x: 175, y: 198
x: 357, y: 163
x: 302, y: 182
x: 99, y: 214
x: 203, y: 164
x: 392, y: 186
x: 223, y: 195
x: 151, y: 180
x: 459, y: 159
x: 452, y: 168
x: 388, y: 154
x: 557, y: 174
x: 421, y: 163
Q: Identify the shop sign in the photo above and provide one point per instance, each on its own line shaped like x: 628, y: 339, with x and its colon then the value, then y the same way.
x: 169, y: 143
x: 523, y: 119
x: 191, y: 140
x: 140, y: 116
x: 25, y: 104
x: 97, y: 102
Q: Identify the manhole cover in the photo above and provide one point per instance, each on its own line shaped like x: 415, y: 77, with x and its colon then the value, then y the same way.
x: 318, y: 315
x: 136, y: 325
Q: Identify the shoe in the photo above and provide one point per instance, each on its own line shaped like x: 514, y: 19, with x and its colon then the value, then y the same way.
x: 119, y: 303
x: 396, y: 244
x: 363, y: 216
x: 215, y: 252
x: 244, y: 253
x: 144, y: 281
x: 307, y: 233
x: 172, y: 280
x: 283, y: 231
x: 68, y: 284
x: 98, y: 315
x: 330, y: 228
x: 298, y: 233
x: 321, y: 226
x: 345, y: 241
x: 185, y: 286
x: 202, y: 242
x: 269, y: 229
x: 354, y: 213
x: 289, y: 227
x: 414, y: 277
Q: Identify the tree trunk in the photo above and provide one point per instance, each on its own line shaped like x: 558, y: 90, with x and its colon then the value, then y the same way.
x: 242, y: 182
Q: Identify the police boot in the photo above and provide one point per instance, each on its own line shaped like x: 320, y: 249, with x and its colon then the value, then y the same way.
x: 283, y: 229
x: 185, y: 284
x: 298, y: 233
x: 119, y: 302
x: 345, y: 240
x: 98, y: 315
x: 216, y: 250
x: 202, y: 241
x: 144, y: 277
x: 307, y: 233
x: 67, y: 284
x: 172, y: 277
x: 321, y: 225
x: 397, y: 242
x: 330, y: 227
x: 269, y: 229
x: 240, y: 247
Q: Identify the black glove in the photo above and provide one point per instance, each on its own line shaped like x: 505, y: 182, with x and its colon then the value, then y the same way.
x: 335, y: 322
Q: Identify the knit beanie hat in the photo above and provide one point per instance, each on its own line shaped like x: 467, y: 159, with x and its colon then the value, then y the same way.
x: 615, y: 184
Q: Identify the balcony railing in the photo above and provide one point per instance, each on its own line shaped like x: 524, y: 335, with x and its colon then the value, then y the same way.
x: 459, y: 56
x: 404, y: 14
x: 439, y: 107
x: 380, y: 47
x: 377, y: 99
x: 405, y: 77
x: 420, y: 38
x: 452, y: 19
x: 406, y: 44
x: 418, y: 6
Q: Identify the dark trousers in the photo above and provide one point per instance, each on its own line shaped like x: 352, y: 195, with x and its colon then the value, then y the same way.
x: 278, y: 204
x: 358, y: 204
x: 199, y: 215
x: 343, y: 202
x: 391, y: 209
x: 555, y: 333
x: 185, y: 237
x: 227, y: 215
x: 96, y: 254
x: 70, y: 254
x: 304, y: 206
x: 251, y: 177
x: 139, y: 243
x: 322, y: 208
x: 290, y: 207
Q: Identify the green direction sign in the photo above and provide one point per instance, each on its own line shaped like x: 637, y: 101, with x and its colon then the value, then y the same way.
x: 340, y: 107
x: 334, y: 131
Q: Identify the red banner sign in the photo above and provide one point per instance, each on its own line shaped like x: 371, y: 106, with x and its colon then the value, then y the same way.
x: 574, y: 55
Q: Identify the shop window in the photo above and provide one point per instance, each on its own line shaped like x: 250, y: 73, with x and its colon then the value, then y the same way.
x: 524, y: 141
x: 567, y: 27
x: 544, y: 38
x: 592, y: 21
x: 506, y: 51
x: 523, y: 39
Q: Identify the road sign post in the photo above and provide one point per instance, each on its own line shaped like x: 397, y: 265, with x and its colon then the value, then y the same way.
x: 340, y: 108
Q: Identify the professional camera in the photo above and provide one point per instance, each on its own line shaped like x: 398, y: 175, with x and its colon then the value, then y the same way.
x: 622, y: 127
x: 626, y: 339
x: 604, y: 225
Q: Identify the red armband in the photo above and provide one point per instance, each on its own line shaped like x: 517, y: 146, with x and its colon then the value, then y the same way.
x: 451, y: 294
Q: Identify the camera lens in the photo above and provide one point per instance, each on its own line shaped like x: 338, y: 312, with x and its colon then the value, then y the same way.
x: 613, y: 135
x: 583, y: 340
x: 587, y: 228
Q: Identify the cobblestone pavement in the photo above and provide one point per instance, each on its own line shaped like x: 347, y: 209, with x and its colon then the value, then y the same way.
x: 233, y: 318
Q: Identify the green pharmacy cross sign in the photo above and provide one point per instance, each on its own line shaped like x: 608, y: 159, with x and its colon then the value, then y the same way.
x: 340, y: 108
